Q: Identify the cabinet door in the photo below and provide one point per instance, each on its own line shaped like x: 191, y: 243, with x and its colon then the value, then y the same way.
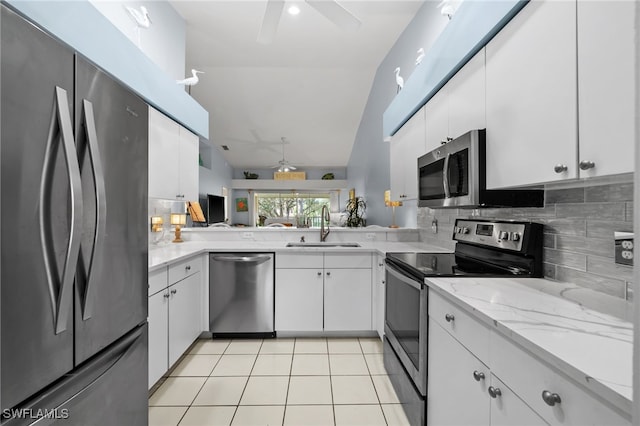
x: 378, y: 295
x: 454, y: 396
x: 189, y: 171
x: 299, y: 304
x: 406, y: 146
x: 437, y: 119
x: 158, y: 335
x: 467, y: 97
x: 347, y: 299
x: 606, y: 52
x: 184, y: 315
x: 163, y: 156
x: 531, y: 96
x: 508, y: 410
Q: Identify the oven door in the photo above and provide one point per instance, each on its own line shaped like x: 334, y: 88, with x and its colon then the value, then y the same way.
x: 406, y: 323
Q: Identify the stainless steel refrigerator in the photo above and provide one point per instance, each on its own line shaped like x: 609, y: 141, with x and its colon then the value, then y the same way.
x: 73, y: 289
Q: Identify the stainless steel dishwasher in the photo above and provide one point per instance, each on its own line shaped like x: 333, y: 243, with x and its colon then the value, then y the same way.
x: 241, y: 294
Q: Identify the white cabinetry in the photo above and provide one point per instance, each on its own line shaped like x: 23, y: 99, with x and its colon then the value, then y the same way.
x: 378, y: 295
x: 459, y: 106
x: 498, y: 382
x: 531, y: 96
x: 406, y: 146
x: 175, y: 314
x: 323, y: 292
x: 173, y: 159
x: 606, y: 81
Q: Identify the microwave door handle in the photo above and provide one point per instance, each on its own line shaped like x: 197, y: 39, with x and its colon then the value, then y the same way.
x: 445, y: 176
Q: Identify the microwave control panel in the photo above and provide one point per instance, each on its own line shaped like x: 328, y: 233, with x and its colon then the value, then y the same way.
x: 504, y: 235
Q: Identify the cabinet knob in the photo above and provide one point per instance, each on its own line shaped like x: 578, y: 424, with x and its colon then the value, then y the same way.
x: 559, y: 168
x: 381, y: 264
x: 494, y: 392
x: 478, y: 375
x: 586, y: 165
x: 187, y: 268
x: 449, y: 317
x: 550, y: 399
x: 319, y: 274
x: 383, y: 282
x: 174, y: 291
x: 328, y: 274
x: 166, y: 295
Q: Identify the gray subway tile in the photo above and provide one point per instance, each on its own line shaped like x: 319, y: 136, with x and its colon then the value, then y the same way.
x: 594, y: 246
x: 610, y: 192
x: 569, y: 195
x: 605, y: 229
x: 549, y: 241
x: 576, y: 227
x: 608, y: 267
x: 532, y: 213
x: 549, y: 270
x: 613, y: 211
x: 565, y: 258
x: 629, y: 211
x: 605, y: 285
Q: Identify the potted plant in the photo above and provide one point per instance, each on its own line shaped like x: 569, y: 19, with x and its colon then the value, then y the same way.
x: 355, y: 212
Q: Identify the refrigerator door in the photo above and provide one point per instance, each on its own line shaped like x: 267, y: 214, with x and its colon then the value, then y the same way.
x: 111, y: 282
x: 41, y: 210
x: 108, y: 390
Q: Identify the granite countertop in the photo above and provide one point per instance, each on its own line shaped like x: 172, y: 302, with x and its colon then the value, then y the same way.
x: 593, y: 348
x: 160, y: 256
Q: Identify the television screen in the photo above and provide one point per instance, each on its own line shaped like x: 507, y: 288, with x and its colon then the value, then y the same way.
x: 215, y: 209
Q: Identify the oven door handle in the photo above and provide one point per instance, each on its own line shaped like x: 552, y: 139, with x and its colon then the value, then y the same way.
x: 445, y: 176
x: 405, y: 279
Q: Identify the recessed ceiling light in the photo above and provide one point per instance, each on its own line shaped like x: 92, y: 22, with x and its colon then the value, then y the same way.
x: 293, y: 10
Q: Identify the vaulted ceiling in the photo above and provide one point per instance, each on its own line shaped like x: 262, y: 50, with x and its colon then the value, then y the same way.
x: 309, y: 85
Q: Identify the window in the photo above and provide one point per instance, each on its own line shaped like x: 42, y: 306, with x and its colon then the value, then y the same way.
x: 291, y: 209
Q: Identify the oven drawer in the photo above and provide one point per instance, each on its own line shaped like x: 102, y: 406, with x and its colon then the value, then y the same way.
x: 462, y: 326
x: 529, y: 377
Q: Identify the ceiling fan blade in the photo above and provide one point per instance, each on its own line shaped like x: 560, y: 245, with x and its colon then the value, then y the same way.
x: 292, y: 167
x: 270, y: 21
x: 336, y: 13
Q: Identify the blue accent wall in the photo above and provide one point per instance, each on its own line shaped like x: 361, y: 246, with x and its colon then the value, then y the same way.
x: 80, y: 25
x: 472, y: 27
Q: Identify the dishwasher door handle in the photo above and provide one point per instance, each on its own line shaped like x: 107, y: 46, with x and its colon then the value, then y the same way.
x: 242, y: 259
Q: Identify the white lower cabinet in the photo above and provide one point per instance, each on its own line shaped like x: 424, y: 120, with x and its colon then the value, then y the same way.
x: 323, y: 292
x: 503, y: 386
x: 299, y: 300
x: 174, y: 313
x: 378, y: 295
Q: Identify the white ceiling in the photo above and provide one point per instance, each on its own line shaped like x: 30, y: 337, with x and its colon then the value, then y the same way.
x: 310, y: 85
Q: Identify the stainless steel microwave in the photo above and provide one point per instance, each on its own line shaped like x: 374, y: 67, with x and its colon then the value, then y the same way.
x: 454, y: 176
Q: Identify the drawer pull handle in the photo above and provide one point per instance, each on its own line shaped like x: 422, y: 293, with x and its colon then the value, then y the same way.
x: 174, y: 291
x: 478, y: 375
x: 166, y: 295
x: 551, y: 399
x: 449, y: 317
x: 494, y: 392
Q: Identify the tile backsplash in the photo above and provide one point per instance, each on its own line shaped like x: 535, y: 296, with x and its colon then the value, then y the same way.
x: 580, y: 220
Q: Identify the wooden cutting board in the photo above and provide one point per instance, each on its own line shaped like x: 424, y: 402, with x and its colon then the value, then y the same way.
x: 195, y: 211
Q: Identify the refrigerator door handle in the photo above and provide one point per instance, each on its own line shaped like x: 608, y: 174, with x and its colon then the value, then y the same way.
x: 101, y: 204
x: 60, y: 285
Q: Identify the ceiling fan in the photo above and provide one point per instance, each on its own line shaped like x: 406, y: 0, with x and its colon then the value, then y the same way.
x: 283, y: 165
x: 330, y: 9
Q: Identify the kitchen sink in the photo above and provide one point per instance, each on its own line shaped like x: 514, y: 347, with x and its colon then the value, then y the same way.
x: 324, y: 244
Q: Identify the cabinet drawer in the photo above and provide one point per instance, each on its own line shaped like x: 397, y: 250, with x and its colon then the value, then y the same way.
x: 466, y: 329
x: 157, y: 281
x: 347, y: 260
x: 298, y: 260
x: 183, y: 269
x: 528, y: 377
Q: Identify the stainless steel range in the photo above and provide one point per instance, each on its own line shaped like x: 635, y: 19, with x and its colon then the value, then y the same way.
x: 484, y: 249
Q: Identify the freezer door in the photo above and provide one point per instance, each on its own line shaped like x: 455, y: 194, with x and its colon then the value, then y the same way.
x: 111, y: 283
x: 41, y: 210
x: 109, y: 390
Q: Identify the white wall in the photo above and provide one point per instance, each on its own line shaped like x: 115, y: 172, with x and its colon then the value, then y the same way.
x: 163, y: 42
x: 368, y: 168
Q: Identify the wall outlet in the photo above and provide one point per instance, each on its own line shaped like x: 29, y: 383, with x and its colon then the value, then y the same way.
x: 247, y: 235
x: 434, y: 226
x: 624, y: 248
x: 371, y: 236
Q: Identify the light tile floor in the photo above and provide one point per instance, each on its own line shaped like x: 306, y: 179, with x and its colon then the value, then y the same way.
x: 319, y: 381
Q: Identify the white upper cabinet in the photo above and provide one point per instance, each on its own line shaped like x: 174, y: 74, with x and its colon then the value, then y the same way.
x: 466, y: 91
x: 606, y: 82
x: 173, y: 159
x: 531, y: 97
x: 437, y: 119
x: 406, y: 146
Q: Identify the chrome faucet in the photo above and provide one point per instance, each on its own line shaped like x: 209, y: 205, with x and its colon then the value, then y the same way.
x: 324, y: 217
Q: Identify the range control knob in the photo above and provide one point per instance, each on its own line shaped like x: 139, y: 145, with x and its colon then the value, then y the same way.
x: 515, y: 236
x: 465, y: 230
x: 503, y: 235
